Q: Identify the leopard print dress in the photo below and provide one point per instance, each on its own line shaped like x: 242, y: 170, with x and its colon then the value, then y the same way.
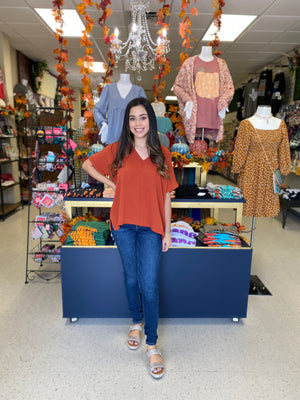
x: 255, y: 174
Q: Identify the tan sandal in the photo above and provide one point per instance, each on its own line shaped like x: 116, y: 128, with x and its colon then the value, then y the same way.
x: 135, y: 339
x: 152, y: 367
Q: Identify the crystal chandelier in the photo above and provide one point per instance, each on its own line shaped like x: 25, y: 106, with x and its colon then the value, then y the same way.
x: 139, y: 51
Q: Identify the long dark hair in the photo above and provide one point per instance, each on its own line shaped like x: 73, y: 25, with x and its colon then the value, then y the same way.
x: 126, y: 140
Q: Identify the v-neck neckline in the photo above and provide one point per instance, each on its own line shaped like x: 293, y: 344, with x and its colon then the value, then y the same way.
x: 123, y: 98
x: 143, y: 159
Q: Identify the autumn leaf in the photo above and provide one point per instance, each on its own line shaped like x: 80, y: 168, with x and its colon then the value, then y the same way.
x: 166, y: 10
x: 81, y: 8
x: 215, y: 4
x: 182, y: 28
x: 194, y: 11
x: 182, y: 14
x: 160, y: 15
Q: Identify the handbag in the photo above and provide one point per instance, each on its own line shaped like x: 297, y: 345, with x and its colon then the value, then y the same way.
x: 277, y: 182
x: 277, y: 179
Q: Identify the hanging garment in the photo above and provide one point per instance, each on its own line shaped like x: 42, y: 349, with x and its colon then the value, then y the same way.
x: 184, y: 88
x: 264, y: 87
x: 297, y: 85
x: 250, y: 98
x: 206, y: 81
x: 277, y: 92
x: 111, y: 108
x: 255, y: 177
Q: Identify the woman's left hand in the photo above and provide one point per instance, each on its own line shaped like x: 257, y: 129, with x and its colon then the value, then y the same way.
x: 166, y: 243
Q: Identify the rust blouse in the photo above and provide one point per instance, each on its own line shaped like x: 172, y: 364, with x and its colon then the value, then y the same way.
x: 140, y: 190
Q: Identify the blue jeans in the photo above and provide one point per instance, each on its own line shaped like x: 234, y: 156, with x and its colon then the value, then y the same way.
x: 140, y: 251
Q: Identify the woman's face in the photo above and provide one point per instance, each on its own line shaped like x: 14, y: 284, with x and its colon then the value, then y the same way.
x: 138, y: 122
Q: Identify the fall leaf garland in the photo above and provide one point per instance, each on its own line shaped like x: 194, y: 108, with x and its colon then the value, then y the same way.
x: 218, y: 6
x: 185, y: 28
x: 106, y: 13
x: 85, y: 63
x: 164, y: 67
x: 67, y: 94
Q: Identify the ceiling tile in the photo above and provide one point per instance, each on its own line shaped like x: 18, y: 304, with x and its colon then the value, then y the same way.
x: 18, y: 15
x: 32, y: 30
x: 68, y: 4
x: 8, y: 31
x: 295, y: 28
x: 289, y: 37
x: 12, y: 3
x: 253, y: 7
x: 239, y: 47
x: 279, y: 48
x: 258, y: 37
x: 285, y: 7
x: 273, y: 24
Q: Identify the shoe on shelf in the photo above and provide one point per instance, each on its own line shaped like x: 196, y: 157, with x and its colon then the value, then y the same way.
x: 157, y: 370
x: 135, y: 340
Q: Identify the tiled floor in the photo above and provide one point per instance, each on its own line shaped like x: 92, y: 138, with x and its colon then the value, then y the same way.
x: 43, y: 356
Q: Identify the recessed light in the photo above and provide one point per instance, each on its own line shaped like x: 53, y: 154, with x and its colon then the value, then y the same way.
x: 232, y: 26
x: 72, y: 27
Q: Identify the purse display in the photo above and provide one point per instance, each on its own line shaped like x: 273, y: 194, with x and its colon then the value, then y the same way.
x: 277, y: 179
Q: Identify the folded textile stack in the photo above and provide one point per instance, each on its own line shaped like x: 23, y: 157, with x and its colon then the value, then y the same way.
x: 90, y: 233
x: 183, y: 235
x: 81, y: 193
x: 220, y: 239
x: 291, y: 194
x: 191, y: 192
x: 224, y: 191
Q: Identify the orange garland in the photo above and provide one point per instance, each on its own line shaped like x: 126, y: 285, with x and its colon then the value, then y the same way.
x: 85, y: 64
x: 85, y: 69
x: 185, y: 28
x: 218, y: 6
x: 67, y: 94
x: 106, y: 12
x: 163, y: 62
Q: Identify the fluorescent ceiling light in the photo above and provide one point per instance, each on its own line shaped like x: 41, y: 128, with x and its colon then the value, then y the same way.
x: 98, y: 67
x: 73, y: 26
x: 232, y: 26
x: 171, y: 98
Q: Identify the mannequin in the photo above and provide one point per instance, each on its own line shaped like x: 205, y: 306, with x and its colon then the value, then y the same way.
x: 109, y: 111
x: 164, y: 124
x: 124, y: 85
x: 207, y: 56
x: 261, y: 147
x: 263, y: 119
x: 204, y: 89
x: 206, y: 53
x: 159, y: 108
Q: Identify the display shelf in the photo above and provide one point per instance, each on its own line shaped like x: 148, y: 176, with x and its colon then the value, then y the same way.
x: 9, y: 196
x: 8, y: 208
x: 213, y: 204
x: 194, y: 282
x: 37, y: 254
x: 4, y: 187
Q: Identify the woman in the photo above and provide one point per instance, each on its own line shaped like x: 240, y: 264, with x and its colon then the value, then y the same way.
x: 140, y: 172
